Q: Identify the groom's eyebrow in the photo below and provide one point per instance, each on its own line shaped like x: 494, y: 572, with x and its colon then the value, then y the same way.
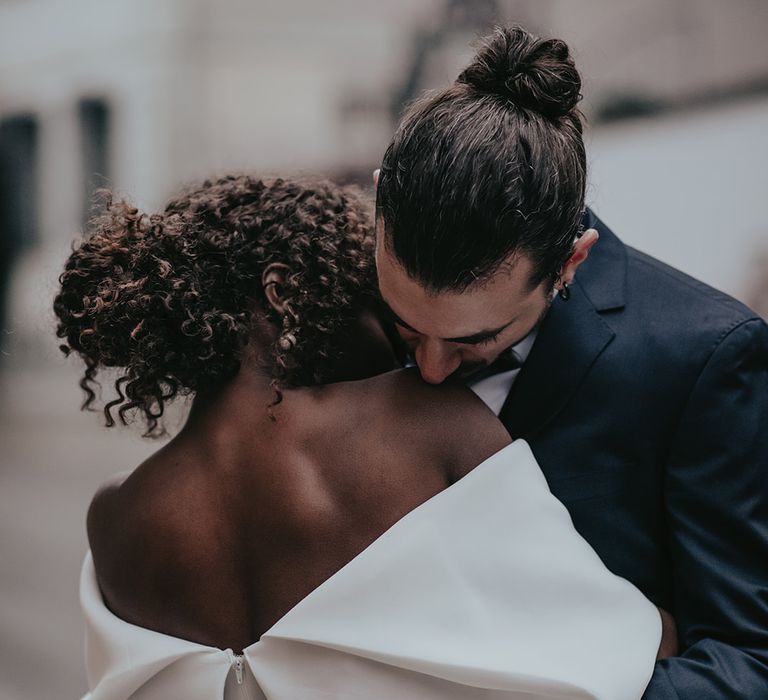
x: 466, y: 339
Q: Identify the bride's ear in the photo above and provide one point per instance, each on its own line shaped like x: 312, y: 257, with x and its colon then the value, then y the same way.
x: 273, y: 283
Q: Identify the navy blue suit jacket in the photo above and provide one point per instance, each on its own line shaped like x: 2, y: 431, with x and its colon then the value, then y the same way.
x: 645, y: 400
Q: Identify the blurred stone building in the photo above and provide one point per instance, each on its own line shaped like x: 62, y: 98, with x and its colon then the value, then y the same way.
x: 145, y: 96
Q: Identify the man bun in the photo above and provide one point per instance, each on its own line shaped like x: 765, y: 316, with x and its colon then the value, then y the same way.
x: 489, y: 167
x: 532, y: 73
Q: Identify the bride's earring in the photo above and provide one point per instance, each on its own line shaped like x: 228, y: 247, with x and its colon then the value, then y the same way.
x: 564, y: 292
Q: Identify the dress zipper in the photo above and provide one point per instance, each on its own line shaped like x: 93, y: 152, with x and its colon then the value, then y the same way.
x: 238, y: 666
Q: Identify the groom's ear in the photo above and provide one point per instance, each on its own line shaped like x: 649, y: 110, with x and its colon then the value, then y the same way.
x: 273, y: 284
x: 580, y: 253
x: 376, y: 178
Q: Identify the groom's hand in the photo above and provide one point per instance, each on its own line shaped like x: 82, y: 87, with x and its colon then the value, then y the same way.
x: 669, y: 645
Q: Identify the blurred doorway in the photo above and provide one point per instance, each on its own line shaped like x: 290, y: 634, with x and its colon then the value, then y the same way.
x: 19, y: 137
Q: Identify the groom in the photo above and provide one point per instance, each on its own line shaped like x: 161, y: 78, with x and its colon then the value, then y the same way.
x: 643, y: 392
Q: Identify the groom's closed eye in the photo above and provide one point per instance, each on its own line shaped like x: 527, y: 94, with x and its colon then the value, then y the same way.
x: 481, y: 338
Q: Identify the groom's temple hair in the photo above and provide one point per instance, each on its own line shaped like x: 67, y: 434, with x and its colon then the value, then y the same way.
x: 170, y: 299
x: 490, y: 167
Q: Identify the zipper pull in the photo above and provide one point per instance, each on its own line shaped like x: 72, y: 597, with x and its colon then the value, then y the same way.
x: 238, y: 664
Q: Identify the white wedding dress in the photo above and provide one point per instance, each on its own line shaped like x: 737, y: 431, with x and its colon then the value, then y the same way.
x: 484, y: 591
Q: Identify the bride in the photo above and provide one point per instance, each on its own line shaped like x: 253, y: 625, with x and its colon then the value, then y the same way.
x: 321, y: 527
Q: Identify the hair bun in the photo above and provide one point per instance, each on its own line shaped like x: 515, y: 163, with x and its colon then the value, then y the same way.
x: 534, y: 74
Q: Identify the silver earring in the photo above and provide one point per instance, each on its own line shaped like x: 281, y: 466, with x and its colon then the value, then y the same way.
x: 564, y: 293
x: 287, y: 342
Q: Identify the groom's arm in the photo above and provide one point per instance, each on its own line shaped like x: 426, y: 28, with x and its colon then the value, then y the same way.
x: 717, y: 504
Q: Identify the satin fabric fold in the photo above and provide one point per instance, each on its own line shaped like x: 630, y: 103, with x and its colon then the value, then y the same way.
x: 484, y: 591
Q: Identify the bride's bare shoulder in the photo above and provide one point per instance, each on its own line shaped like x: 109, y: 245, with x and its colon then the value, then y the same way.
x: 447, y: 420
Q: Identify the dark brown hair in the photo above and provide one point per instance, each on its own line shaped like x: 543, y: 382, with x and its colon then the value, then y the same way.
x: 170, y: 299
x: 489, y: 167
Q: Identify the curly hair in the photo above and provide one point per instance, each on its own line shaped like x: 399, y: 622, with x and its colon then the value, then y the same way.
x: 170, y: 299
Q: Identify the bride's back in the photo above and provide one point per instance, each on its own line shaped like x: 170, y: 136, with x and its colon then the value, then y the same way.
x: 239, y: 290
x: 219, y: 534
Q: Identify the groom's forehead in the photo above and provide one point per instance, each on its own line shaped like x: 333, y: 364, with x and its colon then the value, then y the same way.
x: 467, y: 312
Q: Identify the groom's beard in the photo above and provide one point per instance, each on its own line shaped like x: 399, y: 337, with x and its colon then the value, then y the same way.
x: 502, y: 362
x: 466, y: 369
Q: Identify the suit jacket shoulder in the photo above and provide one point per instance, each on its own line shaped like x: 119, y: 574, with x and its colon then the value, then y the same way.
x: 654, y: 306
x: 686, y: 294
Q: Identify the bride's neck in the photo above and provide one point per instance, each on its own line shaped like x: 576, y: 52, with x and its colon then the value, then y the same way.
x: 237, y: 404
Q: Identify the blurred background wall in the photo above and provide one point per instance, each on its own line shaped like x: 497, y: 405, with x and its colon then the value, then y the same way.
x: 147, y: 96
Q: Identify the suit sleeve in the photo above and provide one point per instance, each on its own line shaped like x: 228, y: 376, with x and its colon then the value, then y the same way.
x: 717, y: 506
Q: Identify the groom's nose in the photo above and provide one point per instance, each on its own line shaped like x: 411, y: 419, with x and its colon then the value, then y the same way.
x: 436, y: 360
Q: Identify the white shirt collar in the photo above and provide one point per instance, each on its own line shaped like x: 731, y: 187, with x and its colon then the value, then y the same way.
x: 523, y: 348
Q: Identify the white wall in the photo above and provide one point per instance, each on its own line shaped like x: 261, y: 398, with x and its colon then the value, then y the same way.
x: 691, y: 190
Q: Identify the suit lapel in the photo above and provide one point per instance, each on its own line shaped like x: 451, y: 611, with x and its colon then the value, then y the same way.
x: 570, y: 339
